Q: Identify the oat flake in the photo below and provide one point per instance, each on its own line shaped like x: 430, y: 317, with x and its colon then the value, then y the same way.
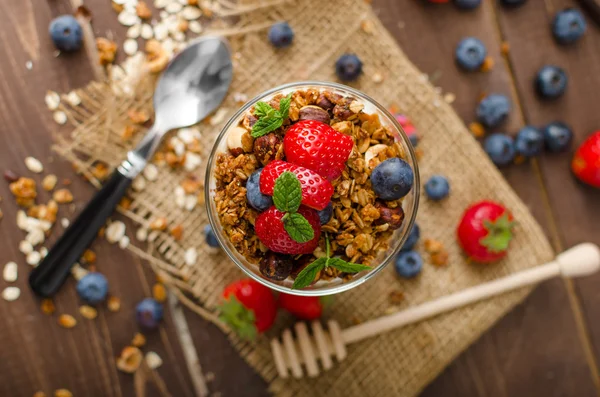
x: 134, y: 31
x: 33, y: 258
x: 147, y: 33
x: 25, y: 247
x: 35, y: 237
x: 153, y: 360
x: 124, y: 242
x: 115, y: 231
x: 64, y: 222
x: 11, y: 293
x: 138, y: 184
x: 173, y: 7
x: 188, y: 135
x: 128, y: 18
x: 130, y: 46
x: 60, y: 117
x: 10, y: 272
x: 78, y: 272
x: 73, y: 99
x: 190, y: 202
x: 195, y: 27
x: 141, y: 234
x: 190, y: 256
x: 34, y: 165
x: 191, y: 13
x: 192, y: 161
x: 52, y: 100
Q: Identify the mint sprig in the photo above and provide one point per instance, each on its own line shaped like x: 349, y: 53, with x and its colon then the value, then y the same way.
x: 298, y: 227
x: 308, y: 274
x: 287, y: 193
x: 269, y: 118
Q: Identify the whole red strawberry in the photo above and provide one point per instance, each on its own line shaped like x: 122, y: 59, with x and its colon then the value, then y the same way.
x: 485, y: 231
x: 303, y: 307
x: 269, y: 228
x: 249, y: 307
x: 318, y: 147
x: 316, y: 191
x: 586, y: 162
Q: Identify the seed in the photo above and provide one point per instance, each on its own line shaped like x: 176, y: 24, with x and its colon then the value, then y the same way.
x: 153, y: 360
x: 10, y: 272
x: 60, y: 117
x: 191, y: 256
x: 64, y: 222
x: 11, y: 293
x: 63, y: 196
x: 113, y: 304
x: 124, y: 242
x: 73, y: 99
x: 195, y: 27
x: 66, y: 321
x: 158, y: 223
x: 130, y: 359
x: 138, y: 340
x: 52, y: 100
x: 34, y: 165
x: 48, y: 306
x: 130, y: 46
x: 159, y: 292
x: 88, y: 312
x: 147, y: 32
x: 62, y: 393
x: 134, y: 31
x: 33, y: 258
x: 115, y: 231
x: 25, y: 247
x: 49, y: 182
x: 150, y: 172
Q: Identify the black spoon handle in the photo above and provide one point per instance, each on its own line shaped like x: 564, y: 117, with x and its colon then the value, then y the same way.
x: 593, y: 7
x: 49, y: 275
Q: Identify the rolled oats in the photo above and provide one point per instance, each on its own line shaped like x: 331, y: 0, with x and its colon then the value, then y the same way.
x: 33, y: 258
x: 146, y: 32
x: 49, y: 182
x: 25, y: 247
x: 10, y: 272
x: 73, y: 99
x: 130, y: 46
x: 124, y: 242
x: 60, y: 117
x: 52, y: 100
x: 10, y: 294
x: 153, y: 360
x: 115, y: 231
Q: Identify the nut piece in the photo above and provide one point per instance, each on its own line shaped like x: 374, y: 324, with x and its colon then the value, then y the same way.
x: 159, y: 223
x: 23, y: 188
x: 63, y: 196
x: 312, y: 112
x: 392, y: 216
x: 234, y: 140
x: 88, y: 312
x: 275, y: 267
x: 156, y: 56
x: 113, y: 304
x: 373, y: 152
x: 47, y: 306
x: 67, y: 321
x: 267, y: 146
x: 130, y: 359
x: 115, y: 231
x: 138, y: 116
x: 324, y: 103
x: 106, y: 50
x: 34, y: 165
x: 49, y: 182
x: 177, y: 232
x: 138, y: 340
x: 10, y: 272
x: 142, y: 10
x: 159, y: 292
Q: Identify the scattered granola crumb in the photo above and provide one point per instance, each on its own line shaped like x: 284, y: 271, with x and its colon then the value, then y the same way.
x: 396, y: 297
x: 73, y: 99
x: 66, y: 321
x: 63, y: 196
x: 433, y: 246
x: 62, y: 393
x: 377, y: 77
x: 177, y: 232
x: 505, y: 48
x: 25, y: 247
x: 60, y: 117
x: 128, y: 132
x: 190, y: 256
x: 115, y: 231
x: 141, y: 234
x: 488, y: 64
x: 477, y: 129
x: 10, y: 272
x: 113, y: 304
x: 89, y: 256
x: 47, y: 306
x: 449, y: 97
x: 125, y: 203
x: 88, y: 312
x: 99, y: 171
x: 107, y: 50
x: 158, y: 223
x: 130, y: 359
x: 143, y: 11
x: 138, y: 116
x: 33, y: 258
x: 10, y: 176
x: 153, y: 360
x: 39, y: 394
x: 209, y: 376
x: 150, y: 172
x: 440, y: 258
x: 64, y: 222
x: 52, y: 100
x: 10, y: 294
x: 49, y: 182
x: 138, y: 184
x: 78, y: 272
x: 138, y: 340
x: 159, y: 292
x: 367, y: 26
x: 124, y: 242
x: 519, y: 159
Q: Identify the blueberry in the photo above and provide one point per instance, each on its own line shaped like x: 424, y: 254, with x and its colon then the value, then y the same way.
x: 500, y: 148
x: 260, y: 202
x: 513, y: 3
x: 325, y: 214
x: 551, y: 82
x: 408, y: 264
x: 281, y: 35
x: 437, y: 188
x: 470, y: 54
x: 148, y: 313
x: 568, y: 26
x: 529, y: 141
x: 413, y: 238
x: 493, y: 110
x: 211, y: 239
x: 467, y: 4
x: 348, y: 67
x: 66, y: 33
x: 557, y: 136
x: 392, y: 179
x: 92, y: 287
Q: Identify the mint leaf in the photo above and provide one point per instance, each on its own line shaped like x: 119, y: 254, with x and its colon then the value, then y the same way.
x: 284, y: 106
x: 265, y: 125
x: 308, y: 274
x: 238, y: 317
x: 287, y: 192
x: 262, y: 109
x: 346, y: 267
x: 298, y: 227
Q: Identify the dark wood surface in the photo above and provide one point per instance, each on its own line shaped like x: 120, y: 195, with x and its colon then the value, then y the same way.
x: 547, y: 346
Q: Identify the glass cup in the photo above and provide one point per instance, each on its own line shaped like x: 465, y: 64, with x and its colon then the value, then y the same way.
x: 409, y: 204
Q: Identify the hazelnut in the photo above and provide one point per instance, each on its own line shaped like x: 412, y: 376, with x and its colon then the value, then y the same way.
x: 275, y: 267
x: 249, y: 121
x: 324, y: 103
x: 392, y: 216
x: 312, y: 112
x: 342, y: 112
x: 266, y: 147
x: 247, y: 143
x: 234, y: 140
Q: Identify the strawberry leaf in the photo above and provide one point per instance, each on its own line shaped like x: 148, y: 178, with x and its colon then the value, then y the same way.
x: 287, y: 193
x: 238, y: 317
x: 346, y: 267
x: 308, y: 274
x: 298, y: 227
x: 499, y: 233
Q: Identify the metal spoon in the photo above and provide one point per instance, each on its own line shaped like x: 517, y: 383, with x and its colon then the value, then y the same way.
x: 193, y: 85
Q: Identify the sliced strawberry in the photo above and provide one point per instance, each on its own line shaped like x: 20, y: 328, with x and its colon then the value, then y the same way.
x: 316, y: 191
x: 271, y: 232
x: 318, y: 147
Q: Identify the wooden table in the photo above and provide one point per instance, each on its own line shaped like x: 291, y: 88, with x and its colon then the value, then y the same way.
x: 547, y: 346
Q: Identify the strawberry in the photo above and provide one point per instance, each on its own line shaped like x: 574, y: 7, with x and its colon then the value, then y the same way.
x: 485, y: 231
x: 249, y: 307
x: 316, y: 191
x: 269, y: 228
x: 303, y: 307
x: 318, y: 147
x: 586, y: 162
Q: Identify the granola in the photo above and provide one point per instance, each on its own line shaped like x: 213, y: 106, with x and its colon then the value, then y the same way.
x: 361, y: 224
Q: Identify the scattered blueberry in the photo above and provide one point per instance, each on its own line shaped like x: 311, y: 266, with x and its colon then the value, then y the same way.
x: 568, y: 26
x: 66, y: 33
x: 211, y: 239
x: 437, y: 188
x: 557, y: 136
x: 493, y: 110
x: 408, y: 127
x: 529, y: 141
x: 470, y: 54
x: 513, y: 3
x: 281, y: 35
x: 467, y: 4
x: 551, y: 81
x: 348, y: 67
x: 413, y: 238
x: 500, y: 148
x: 325, y: 214
x: 260, y: 202
x: 408, y: 264
x: 392, y: 179
x: 148, y: 313
x: 92, y: 287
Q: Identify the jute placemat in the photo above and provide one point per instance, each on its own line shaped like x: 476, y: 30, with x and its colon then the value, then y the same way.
x: 401, y: 362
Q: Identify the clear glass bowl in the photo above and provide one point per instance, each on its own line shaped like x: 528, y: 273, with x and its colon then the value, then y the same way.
x: 321, y: 287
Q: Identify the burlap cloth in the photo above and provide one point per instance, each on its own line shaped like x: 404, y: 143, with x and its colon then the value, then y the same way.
x: 398, y: 363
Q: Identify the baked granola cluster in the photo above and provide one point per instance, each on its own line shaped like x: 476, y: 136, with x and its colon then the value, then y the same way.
x: 361, y: 224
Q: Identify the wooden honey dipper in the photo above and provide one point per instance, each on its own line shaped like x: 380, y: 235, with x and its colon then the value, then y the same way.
x: 290, y: 354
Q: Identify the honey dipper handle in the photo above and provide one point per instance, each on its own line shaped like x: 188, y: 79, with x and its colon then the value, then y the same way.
x: 580, y: 260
